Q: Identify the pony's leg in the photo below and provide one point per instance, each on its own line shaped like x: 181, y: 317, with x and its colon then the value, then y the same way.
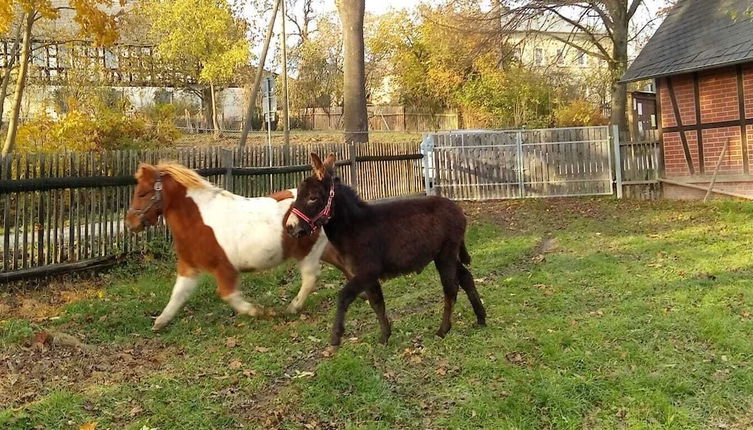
x: 310, y: 269
x: 185, y: 283
x: 447, y: 268
x: 227, y: 289
x: 344, y: 298
x: 465, y: 279
x: 376, y: 300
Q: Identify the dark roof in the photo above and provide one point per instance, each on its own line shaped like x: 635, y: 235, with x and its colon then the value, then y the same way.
x: 697, y: 35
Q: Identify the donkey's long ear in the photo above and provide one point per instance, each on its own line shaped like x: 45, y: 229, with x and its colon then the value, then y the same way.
x: 318, y: 166
x: 329, y: 162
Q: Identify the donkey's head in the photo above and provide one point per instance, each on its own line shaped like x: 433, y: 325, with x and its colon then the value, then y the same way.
x: 313, y: 205
x: 146, y: 204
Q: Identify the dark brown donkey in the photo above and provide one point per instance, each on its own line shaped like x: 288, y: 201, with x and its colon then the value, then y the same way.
x: 384, y: 240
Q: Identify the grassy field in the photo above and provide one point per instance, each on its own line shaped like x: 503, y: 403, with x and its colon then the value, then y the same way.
x: 602, y: 315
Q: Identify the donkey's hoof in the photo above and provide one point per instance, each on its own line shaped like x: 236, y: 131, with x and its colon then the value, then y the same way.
x: 442, y: 333
x: 292, y: 309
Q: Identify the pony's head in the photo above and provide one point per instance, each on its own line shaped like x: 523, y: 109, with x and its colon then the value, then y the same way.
x: 312, y: 207
x: 146, y: 204
x: 154, y: 187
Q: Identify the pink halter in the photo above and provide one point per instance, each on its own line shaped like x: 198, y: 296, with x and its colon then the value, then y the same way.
x: 326, y: 212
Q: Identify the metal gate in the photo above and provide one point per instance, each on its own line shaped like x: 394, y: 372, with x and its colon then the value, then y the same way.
x: 487, y: 164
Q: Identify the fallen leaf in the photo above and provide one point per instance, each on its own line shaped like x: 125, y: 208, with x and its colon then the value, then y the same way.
x: 249, y: 372
x: 235, y: 364
x: 231, y: 342
x: 329, y: 351
x: 441, y: 371
x: 261, y: 349
x: 88, y: 426
x: 305, y: 374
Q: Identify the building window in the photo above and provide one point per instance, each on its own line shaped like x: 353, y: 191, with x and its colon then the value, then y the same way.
x: 560, y: 57
x: 581, y: 59
x: 538, y: 57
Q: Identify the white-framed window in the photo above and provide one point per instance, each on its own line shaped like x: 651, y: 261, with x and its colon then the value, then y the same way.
x: 560, y: 57
x: 581, y: 59
x: 538, y: 56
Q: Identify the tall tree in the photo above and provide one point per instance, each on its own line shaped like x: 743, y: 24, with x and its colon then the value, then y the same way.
x: 605, y: 23
x: 204, y: 33
x: 92, y: 20
x: 10, y: 64
x: 354, y: 71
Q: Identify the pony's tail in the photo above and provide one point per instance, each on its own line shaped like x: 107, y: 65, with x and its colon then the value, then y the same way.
x: 465, y: 258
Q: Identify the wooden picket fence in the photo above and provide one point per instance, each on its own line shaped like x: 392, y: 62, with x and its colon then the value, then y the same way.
x: 641, y: 160
x: 66, y: 211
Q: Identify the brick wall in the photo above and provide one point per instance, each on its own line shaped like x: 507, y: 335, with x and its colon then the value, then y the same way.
x: 718, y: 102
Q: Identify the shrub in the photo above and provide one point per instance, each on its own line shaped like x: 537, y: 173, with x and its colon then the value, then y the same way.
x: 105, y: 129
x: 579, y: 113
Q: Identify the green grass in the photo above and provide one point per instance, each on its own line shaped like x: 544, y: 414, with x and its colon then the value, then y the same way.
x: 639, y: 318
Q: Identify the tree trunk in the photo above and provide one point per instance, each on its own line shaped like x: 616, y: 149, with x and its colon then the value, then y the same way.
x: 354, y: 87
x: 8, y: 70
x: 23, y: 68
x: 618, y: 66
x: 215, y: 122
x: 257, y: 80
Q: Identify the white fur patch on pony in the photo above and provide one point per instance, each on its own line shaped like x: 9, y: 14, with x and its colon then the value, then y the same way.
x: 249, y: 230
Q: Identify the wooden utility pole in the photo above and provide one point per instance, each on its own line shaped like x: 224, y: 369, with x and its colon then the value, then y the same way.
x: 286, y: 104
x: 259, y: 72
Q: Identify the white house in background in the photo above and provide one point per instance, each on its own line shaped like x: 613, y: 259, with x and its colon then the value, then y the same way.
x: 551, y: 45
x: 128, y: 67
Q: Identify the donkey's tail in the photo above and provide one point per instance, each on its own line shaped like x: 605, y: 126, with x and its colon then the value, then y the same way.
x: 465, y: 258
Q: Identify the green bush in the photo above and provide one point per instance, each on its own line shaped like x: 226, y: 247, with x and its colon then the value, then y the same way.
x: 579, y: 113
x: 108, y: 128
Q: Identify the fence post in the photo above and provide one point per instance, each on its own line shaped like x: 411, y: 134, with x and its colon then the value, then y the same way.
x: 617, y: 160
x: 521, y: 174
x: 227, y: 163
x: 427, y: 149
x: 353, y: 152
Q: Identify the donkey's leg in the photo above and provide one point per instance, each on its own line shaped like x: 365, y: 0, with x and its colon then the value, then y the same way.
x: 310, y: 269
x: 344, y: 298
x: 465, y: 279
x: 447, y: 268
x: 185, y: 283
x: 227, y: 289
x: 376, y: 300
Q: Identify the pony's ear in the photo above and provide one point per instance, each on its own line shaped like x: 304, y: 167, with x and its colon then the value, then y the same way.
x: 329, y: 162
x: 143, y: 169
x: 318, y: 166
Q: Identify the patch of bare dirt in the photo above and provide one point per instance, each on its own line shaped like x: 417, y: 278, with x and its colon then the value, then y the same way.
x: 55, y: 361
x: 44, y: 302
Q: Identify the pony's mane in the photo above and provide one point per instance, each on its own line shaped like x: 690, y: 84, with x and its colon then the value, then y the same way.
x: 180, y: 173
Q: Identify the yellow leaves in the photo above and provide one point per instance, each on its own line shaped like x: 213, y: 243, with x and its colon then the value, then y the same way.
x: 88, y: 426
x: 203, y: 32
x: 95, y: 22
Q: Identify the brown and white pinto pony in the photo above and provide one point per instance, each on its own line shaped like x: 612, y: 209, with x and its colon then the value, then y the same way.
x: 385, y: 240
x: 219, y: 232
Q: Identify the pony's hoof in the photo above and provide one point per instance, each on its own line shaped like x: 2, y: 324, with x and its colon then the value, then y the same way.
x: 292, y: 309
x: 159, y: 325
x: 255, y: 311
x: 271, y: 313
x: 441, y: 333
